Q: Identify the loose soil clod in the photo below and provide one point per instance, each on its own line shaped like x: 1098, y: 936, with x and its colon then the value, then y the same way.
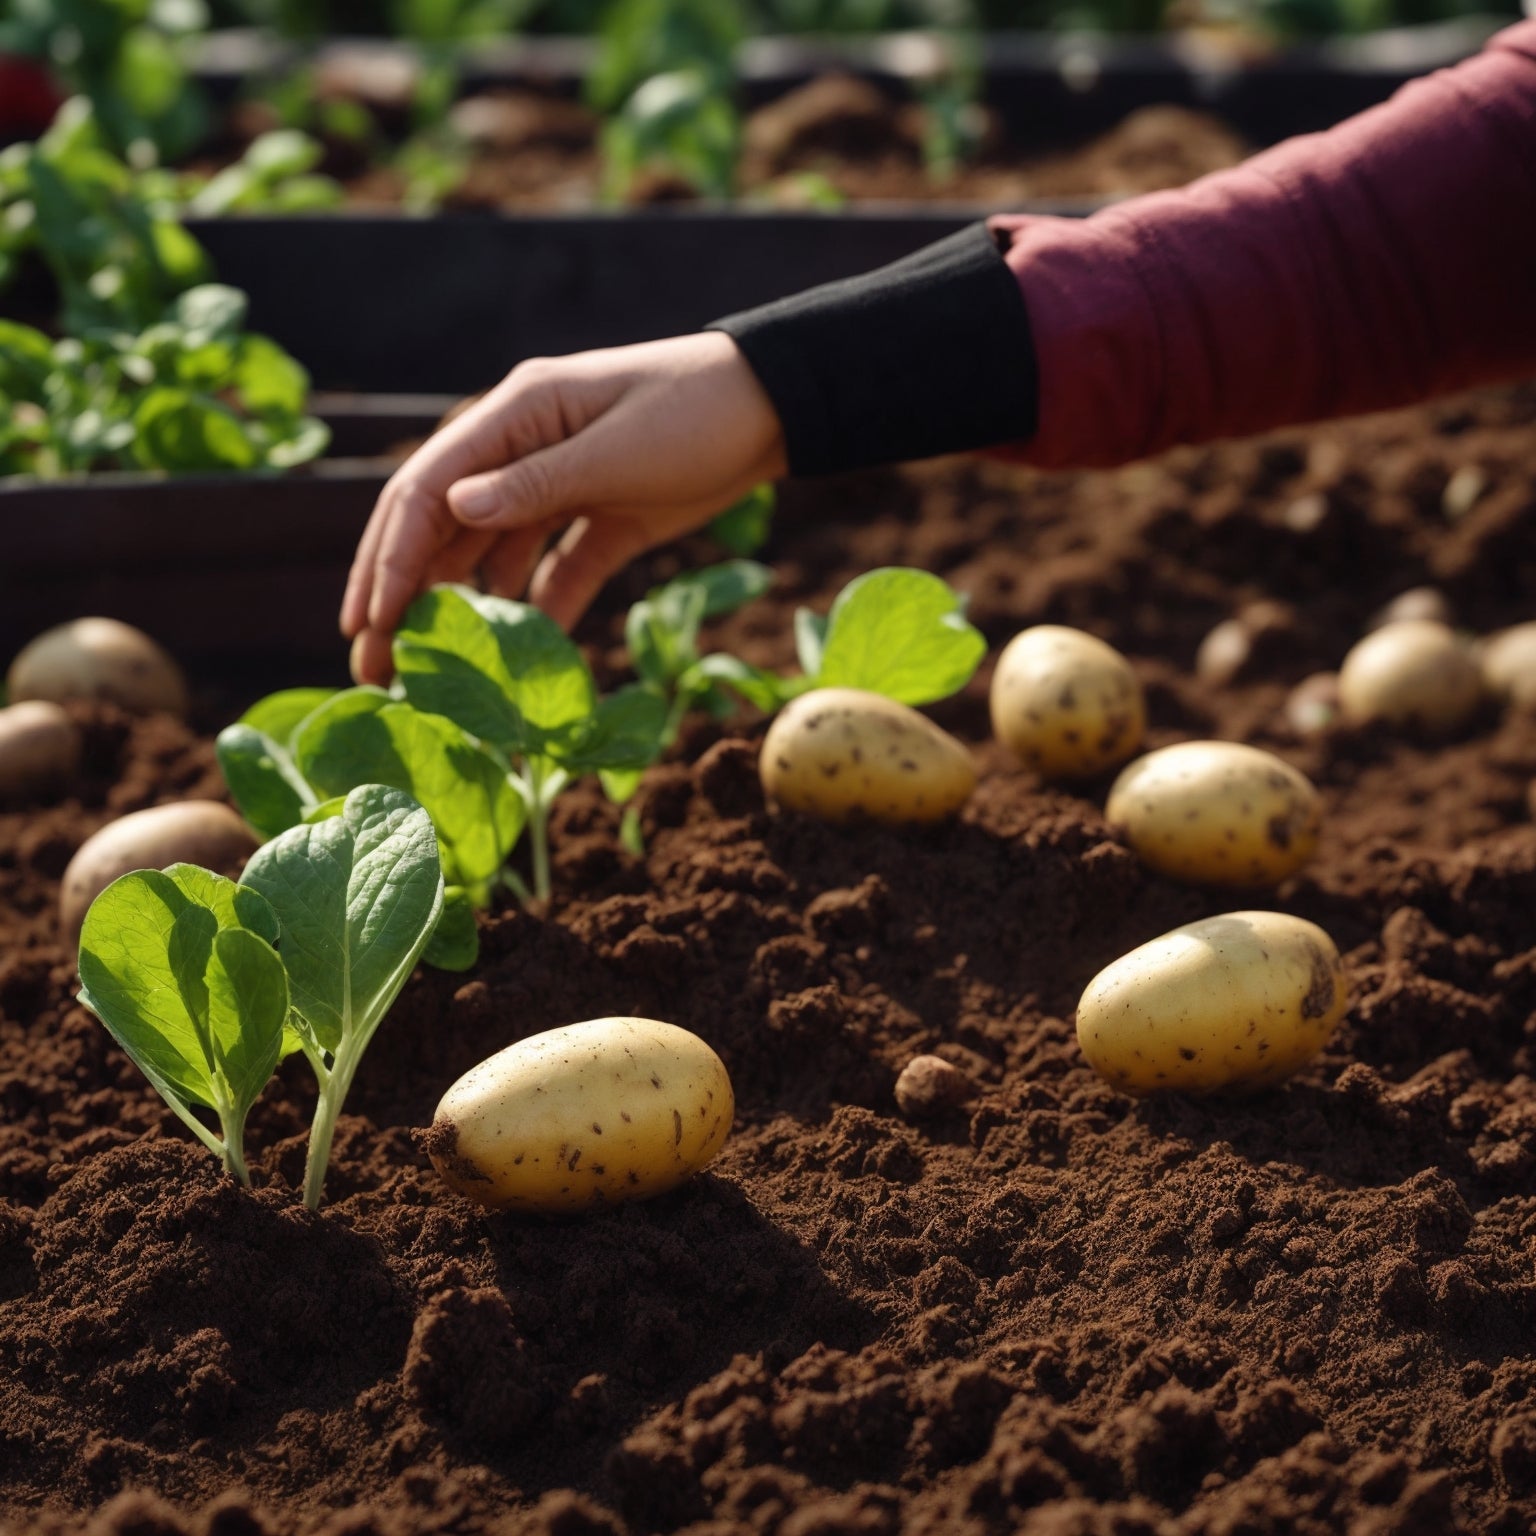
x: 1055, y: 1311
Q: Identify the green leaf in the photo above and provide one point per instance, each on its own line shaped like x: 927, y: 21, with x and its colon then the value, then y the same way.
x: 744, y: 528
x: 196, y: 999
x: 901, y: 633
x: 502, y: 670
x: 810, y: 640
x: 361, y: 736
x: 209, y: 311
x: 455, y: 942
x: 358, y: 897
x: 280, y: 714
x: 268, y: 378
x: 729, y: 585
x: 761, y: 688
x: 265, y: 784
x: 625, y: 732
x: 176, y: 430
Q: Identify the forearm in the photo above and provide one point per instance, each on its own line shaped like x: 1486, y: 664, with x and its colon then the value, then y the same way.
x: 1383, y: 262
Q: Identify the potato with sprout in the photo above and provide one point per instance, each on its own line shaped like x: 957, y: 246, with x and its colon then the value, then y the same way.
x: 1240, y: 1002
x: 1217, y: 812
x: 1065, y: 703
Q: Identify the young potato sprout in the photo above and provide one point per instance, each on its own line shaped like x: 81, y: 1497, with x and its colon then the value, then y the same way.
x: 207, y: 984
x: 589, y: 1114
x: 1239, y: 1002
x: 511, y: 678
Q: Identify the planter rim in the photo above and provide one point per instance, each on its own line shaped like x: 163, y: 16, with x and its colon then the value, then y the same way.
x: 912, y: 54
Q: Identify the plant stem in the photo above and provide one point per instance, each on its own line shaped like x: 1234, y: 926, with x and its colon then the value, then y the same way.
x: 333, y: 1093
x: 538, y: 830
x: 234, y: 1151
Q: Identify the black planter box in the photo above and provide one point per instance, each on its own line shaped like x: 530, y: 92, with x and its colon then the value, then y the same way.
x: 236, y: 574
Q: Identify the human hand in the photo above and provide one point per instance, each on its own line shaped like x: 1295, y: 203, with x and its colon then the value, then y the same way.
x: 623, y: 449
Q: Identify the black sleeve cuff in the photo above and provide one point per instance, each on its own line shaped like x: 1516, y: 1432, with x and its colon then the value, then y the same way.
x: 932, y: 354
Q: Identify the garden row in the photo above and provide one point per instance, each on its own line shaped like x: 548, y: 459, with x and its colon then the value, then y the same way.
x: 1047, y: 1305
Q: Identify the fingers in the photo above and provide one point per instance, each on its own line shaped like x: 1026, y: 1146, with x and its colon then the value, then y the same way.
x: 412, y: 522
x: 574, y: 572
x: 527, y: 491
x: 371, y: 660
x: 507, y: 567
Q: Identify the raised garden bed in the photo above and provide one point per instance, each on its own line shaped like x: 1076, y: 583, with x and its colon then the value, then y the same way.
x: 199, y: 560
x: 1056, y: 1310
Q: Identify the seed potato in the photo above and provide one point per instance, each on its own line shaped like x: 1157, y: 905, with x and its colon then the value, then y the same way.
x: 1065, y: 703
x: 99, y: 659
x: 1240, y: 1001
x: 1313, y: 704
x: 1217, y: 812
x: 1508, y: 663
x: 1414, y: 674
x: 190, y: 832
x: 589, y: 1114
x: 841, y: 753
x: 39, y: 746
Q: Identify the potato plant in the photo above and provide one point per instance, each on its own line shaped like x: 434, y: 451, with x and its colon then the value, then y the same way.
x: 207, y: 984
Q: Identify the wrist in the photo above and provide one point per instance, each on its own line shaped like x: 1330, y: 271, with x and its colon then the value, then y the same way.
x: 932, y: 354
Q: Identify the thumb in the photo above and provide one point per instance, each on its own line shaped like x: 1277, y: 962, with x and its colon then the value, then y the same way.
x: 529, y: 490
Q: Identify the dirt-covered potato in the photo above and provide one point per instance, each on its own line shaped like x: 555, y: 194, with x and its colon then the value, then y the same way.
x: 1065, y: 703
x: 841, y: 753
x: 39, y: 746
x: 589, y: 1114
x: 1508, y: 663
x: 1239, y: 1001
x: 99, y: 659
x: 189, y: 832
x: 1415, y: 674
x: 1218, y: 812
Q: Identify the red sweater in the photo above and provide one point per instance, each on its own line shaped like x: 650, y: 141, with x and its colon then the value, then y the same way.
x: 1385, y: 261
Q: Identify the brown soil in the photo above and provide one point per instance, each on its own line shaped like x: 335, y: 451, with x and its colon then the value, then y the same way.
x: 1051, y: 1310
x: 532, y: 151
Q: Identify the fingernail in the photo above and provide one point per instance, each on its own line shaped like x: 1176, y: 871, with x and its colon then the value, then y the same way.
x: 474, y: 498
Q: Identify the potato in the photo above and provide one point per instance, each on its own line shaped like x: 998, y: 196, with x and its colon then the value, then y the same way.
x: 1413, y: 674
x: 99, y: 659
x: 1239, y: 1001
x: 189, y: 832
x: 1230, y: 648
x: 1065, y: 703
x: 1313, y: 704
x: 1217, y: 812
x: 589, y: 1114
x: 841, y: 753
x: 1415, y: 603
x: 39, y: 746
x: 1508, y: 663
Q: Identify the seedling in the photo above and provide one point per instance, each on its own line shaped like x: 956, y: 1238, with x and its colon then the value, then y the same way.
x: 662, y: 632
x: 510, y: 676
x: 358, y: 895
x: 292, y: 755
x: 743, y: 528
x: 207, y: 984
x: 180, y: 967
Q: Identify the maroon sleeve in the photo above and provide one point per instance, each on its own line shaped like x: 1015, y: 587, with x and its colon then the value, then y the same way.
x: 1387, y: 260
